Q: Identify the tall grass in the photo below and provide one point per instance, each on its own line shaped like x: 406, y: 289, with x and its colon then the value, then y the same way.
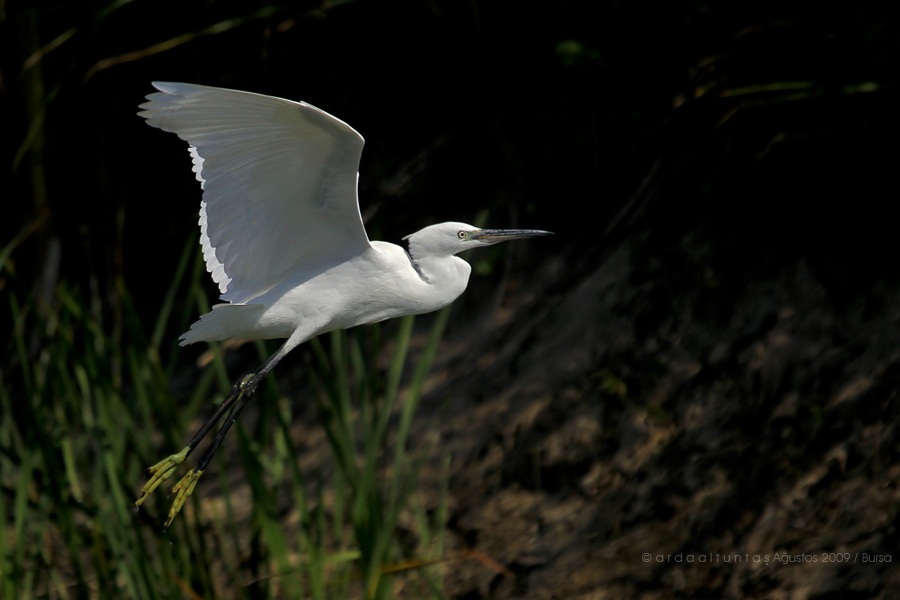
x: 86, y: 406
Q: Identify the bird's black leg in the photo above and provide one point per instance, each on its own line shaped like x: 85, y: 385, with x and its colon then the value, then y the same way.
x: 241, y: 393
x: 164, y: 468
x: 230, y: 399
x: 239, y: 404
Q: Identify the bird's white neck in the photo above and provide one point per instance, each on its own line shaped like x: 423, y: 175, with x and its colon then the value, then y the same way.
x: 444, y: 276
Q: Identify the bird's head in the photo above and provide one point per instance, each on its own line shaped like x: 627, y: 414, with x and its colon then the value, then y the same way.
x: 445, y: 239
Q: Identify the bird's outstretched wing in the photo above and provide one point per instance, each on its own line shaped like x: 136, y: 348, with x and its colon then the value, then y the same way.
x: 279, y: 184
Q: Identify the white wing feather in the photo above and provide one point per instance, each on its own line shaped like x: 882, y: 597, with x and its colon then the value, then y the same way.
x: 279, y: 184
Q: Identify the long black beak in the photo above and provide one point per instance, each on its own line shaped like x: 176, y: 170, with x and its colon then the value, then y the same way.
x: 493, y: 236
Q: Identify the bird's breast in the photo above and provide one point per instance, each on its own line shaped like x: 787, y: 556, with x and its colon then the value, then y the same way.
x: 379, y: 284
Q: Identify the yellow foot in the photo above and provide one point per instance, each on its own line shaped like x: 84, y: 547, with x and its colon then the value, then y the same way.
x: 182, y: 490
x: 159, y: 473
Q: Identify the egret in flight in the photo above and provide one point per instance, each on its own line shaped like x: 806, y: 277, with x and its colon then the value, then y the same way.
x: 283, y: 238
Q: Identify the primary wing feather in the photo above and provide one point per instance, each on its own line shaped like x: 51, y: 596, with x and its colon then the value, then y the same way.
x: 279, y: 184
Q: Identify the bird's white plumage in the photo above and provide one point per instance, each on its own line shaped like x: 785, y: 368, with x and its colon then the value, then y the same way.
x: 280, y: 226
x: 282, y: 235
x: 279, y: 184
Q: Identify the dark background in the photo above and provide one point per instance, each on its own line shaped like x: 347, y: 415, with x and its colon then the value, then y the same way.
x: 721, y: 179
x: 769, y: 121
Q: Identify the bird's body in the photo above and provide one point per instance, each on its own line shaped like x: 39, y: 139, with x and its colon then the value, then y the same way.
x: 282, y: 236
x: 387, y: 283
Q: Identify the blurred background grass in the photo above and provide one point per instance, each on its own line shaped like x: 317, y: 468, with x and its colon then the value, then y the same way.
x: 89, y: 413
x: 763, y: 122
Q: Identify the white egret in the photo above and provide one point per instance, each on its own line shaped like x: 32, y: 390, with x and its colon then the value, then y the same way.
x: 283, y: 238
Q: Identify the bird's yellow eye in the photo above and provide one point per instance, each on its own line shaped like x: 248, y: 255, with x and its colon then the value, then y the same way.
x: 462, y: 235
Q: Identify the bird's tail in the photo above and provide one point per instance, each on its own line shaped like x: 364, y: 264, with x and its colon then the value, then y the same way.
x: 224, y: 322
